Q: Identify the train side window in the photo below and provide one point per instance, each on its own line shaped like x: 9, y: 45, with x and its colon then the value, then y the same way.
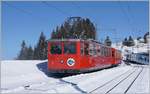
x: 86, y: 48
x: 102, y: 51
x: 110, y: 52
x: 98, y: 51
x: 116, y: 54
x: 113, y: 53
x: 105, y: 51
x: 94, y: 49
x: 82, y: 48
x: 91, y: 49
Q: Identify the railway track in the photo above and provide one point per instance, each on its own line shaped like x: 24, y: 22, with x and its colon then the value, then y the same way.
x: 122, y: 82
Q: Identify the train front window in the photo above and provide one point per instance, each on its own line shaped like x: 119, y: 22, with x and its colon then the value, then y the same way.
x: 69, y: 47
x: 56, y: 48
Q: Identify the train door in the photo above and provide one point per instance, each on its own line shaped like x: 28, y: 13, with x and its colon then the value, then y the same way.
x: 54, y: 54
x: 84, y: 54
x: 71, y: 53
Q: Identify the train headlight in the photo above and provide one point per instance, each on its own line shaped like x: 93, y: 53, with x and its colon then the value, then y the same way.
x: 70, y: 62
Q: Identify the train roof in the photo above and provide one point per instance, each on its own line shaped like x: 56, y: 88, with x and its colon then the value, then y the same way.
x: 74, y: 40
x: 90, y: 40
x: 68, y: 39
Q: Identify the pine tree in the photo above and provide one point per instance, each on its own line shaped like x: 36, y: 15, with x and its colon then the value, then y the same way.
x: 130, y: 41
x: 138, y: 38
x: 35, y: 53
x: 107, y: 41
x: 30, y: 53
x: 63, y: 32
x: 75, y: 27
x: 145, y: 37
x: 67, y: 28
x: 23, y: 52
x: 125, y: 42
x: 53, y: 36
x: 41, y: 48
x: 79, y: 29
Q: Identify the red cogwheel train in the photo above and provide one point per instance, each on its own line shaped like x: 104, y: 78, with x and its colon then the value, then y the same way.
x: 77, y: 56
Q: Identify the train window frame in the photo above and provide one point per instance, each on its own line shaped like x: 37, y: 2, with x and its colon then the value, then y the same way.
x: 105, y: 51
x: 102, y: 49
x: 67, y: 47
x: 113, y: 53
x: 94, y: 49
x: 98, y: 50
x: 109, y: 52
x: 58, y: 49
x: 91, y: 49
x: 82, y: 48
x: 86, y: 48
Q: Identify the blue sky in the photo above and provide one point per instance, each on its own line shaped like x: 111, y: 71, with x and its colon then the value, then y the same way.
x: 25, y: 20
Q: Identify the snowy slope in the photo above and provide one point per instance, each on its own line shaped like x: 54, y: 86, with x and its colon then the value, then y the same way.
x: 137, y: 48
x: 21, y: 73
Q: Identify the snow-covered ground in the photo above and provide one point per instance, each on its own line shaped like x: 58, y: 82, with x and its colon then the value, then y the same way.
x: 31, y: 77
x: 17, y: 74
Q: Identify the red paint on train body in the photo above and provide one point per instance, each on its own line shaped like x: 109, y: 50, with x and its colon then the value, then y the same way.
x: 75, y: 56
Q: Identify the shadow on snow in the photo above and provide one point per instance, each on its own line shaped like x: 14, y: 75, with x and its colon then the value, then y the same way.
x: 43, y: 67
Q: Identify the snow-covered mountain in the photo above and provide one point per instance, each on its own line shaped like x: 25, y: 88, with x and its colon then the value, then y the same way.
x: 139, y: 47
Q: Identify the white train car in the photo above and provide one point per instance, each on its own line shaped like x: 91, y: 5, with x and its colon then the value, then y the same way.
x: 140, y: 58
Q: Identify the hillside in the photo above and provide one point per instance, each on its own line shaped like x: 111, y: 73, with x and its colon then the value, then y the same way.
x: 137, y: 48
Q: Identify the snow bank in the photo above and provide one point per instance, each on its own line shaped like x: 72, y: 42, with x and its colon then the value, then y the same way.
x: 21, y: 73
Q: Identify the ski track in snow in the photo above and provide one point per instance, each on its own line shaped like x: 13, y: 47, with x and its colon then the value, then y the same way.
x: 29, y: 77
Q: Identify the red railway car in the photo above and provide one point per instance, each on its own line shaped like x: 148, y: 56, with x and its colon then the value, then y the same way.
x: 77, y: 56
